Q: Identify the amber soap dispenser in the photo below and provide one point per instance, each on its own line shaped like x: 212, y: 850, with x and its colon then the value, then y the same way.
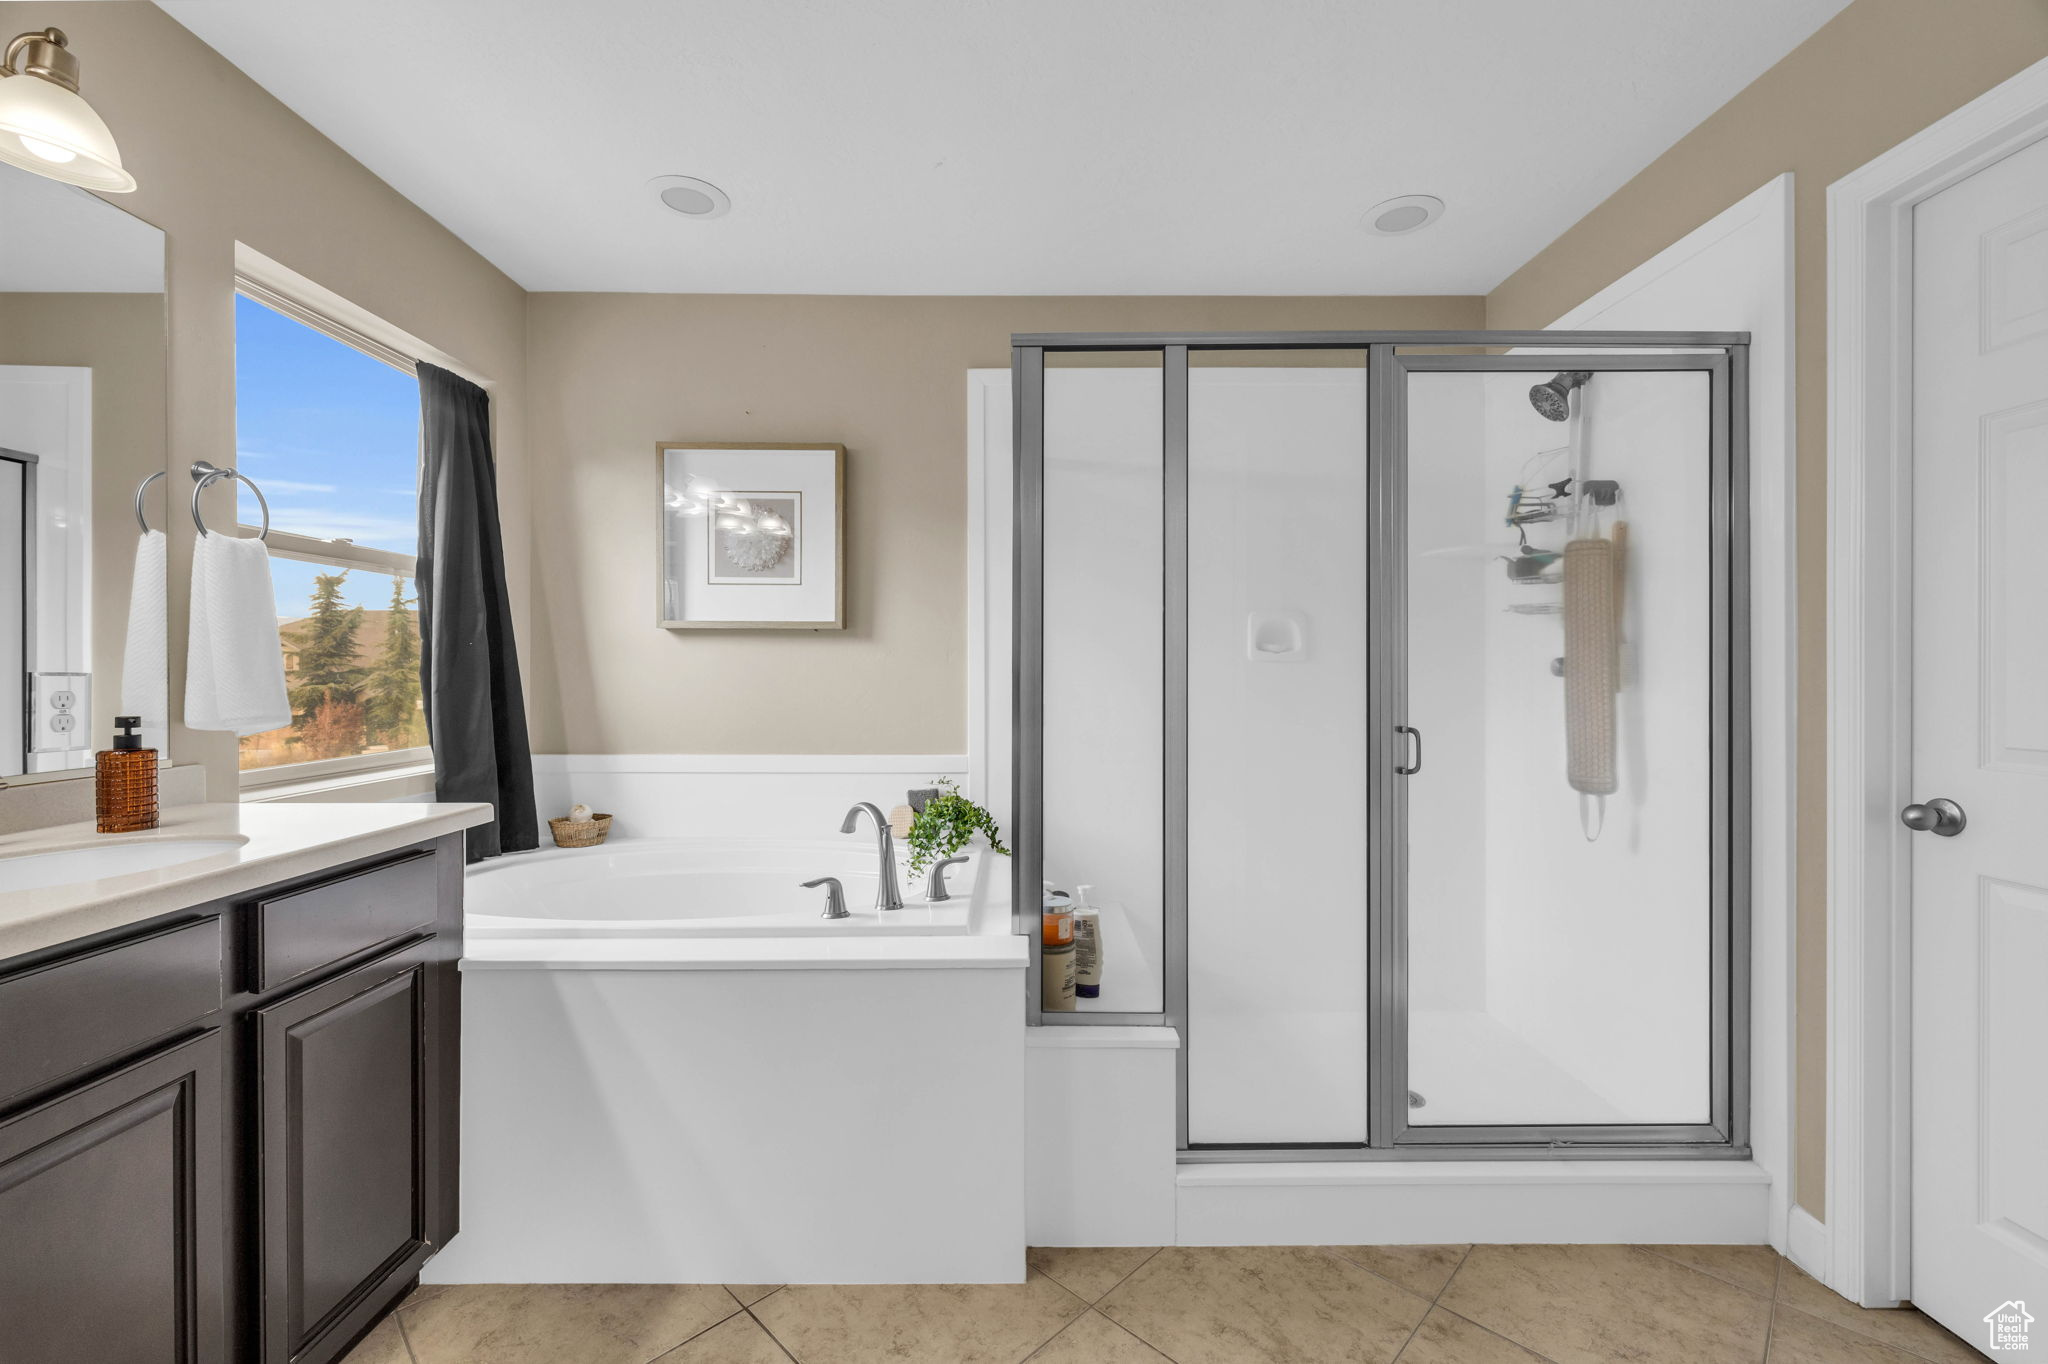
x: 124, y: 780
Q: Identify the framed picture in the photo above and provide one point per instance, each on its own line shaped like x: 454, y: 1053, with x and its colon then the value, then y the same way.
x: 752, y: 536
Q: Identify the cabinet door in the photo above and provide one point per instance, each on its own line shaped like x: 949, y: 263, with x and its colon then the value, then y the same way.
x: 111, y: 1223
x: 349, y: 1084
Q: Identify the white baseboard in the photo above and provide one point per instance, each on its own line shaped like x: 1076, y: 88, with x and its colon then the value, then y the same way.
x: 1807, y: 1243
x: 1497, y: 1202
x: 699, y: 763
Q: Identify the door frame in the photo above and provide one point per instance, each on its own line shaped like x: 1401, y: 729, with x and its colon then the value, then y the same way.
x: 1868, y: 1242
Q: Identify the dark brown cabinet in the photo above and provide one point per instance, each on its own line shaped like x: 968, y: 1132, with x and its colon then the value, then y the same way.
x: 345, y: 1076
x: 112, y: 1225
x: 228, y: 1136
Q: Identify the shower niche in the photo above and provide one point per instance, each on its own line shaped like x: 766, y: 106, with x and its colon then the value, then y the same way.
x: 1387, y: 691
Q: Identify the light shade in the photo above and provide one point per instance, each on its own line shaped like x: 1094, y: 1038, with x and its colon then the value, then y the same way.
x: 48, y: 128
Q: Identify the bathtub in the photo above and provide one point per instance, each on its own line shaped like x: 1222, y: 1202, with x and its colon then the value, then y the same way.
x: 652, y: 888
x: 675, y: 1071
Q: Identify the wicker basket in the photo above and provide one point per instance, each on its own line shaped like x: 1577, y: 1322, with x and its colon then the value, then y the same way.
x: 580, y: 833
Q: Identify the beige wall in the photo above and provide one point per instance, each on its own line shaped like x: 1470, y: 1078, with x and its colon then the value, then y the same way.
x: 219, y: 160
x: 1879, y: 72
x: 120, y: 338
x: 611, y: 374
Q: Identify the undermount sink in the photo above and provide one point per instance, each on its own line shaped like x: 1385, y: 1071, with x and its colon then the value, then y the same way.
x: 68, y: 866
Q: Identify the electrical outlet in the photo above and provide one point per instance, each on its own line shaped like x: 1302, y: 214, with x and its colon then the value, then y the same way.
x: 59, y: 712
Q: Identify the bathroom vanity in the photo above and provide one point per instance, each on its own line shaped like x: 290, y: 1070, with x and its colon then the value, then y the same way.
x: 228, y: 1086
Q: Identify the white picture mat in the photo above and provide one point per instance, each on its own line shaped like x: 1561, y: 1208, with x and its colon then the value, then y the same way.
x: 688, y: 597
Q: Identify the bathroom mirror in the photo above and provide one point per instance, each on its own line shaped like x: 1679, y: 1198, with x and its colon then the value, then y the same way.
x: 82, y: 365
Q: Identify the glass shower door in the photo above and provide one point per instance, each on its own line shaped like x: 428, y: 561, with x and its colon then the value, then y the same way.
x: 1277, y: 914
x: 1566, y: 941
x: 1395, y: 714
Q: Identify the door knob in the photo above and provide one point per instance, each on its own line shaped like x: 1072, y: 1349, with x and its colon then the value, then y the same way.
x: 1937, y: 816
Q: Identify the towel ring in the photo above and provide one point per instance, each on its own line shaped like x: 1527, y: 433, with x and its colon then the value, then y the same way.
x: 204, y: 475
x: 140, y: 489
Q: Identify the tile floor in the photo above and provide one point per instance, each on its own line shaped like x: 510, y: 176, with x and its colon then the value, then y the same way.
x: 1183, y: 1305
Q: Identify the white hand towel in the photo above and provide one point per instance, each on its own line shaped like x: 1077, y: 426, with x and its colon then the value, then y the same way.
x: 145, y: 688
x: 234, y: 670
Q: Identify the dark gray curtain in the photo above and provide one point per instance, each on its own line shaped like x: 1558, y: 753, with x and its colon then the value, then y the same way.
x: 469, y: 665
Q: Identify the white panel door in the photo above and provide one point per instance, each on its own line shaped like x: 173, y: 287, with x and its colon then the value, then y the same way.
x: 1980, y: 739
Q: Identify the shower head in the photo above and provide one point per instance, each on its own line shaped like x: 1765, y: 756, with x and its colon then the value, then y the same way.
x: 1551, y: 400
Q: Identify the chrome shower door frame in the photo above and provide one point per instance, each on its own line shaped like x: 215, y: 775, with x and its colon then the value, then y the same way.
x: 1391, y: 358
x: 1726, y: 1130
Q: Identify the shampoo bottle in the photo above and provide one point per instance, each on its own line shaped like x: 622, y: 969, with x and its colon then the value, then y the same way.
x: 1056, y: 953
x: 1087, y: 947
x: 124, y: 781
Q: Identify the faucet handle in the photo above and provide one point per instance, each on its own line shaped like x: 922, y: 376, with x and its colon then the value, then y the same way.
x: 935, y: 888
x: 835, y: 896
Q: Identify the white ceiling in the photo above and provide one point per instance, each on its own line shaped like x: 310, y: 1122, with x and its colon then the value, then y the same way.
x: 1023, y: 147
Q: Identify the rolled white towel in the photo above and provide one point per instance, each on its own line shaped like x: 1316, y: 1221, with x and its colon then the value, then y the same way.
x: 234, y: 669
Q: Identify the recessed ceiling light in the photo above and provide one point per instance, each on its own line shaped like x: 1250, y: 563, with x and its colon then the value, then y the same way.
x: 1399, y: 217
x: 691, y: 197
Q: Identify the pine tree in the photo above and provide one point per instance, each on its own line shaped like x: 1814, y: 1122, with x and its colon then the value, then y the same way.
x: 394, y: 680
x: 328, y: 670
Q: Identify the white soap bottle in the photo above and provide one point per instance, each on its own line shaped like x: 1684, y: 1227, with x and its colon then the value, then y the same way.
x: 1087, y: 947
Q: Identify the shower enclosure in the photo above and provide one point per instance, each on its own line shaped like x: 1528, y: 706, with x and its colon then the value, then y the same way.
x: 1387, y: 690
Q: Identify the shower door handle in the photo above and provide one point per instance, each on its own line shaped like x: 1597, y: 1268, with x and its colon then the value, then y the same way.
x: 1414, y: 750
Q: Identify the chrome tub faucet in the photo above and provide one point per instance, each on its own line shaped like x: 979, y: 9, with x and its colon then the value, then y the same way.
x: 886, y: 894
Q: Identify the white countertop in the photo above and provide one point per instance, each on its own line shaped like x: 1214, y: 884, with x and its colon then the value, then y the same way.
x: 280, y: 842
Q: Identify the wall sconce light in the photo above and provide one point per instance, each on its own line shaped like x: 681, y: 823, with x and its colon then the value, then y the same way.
x: 45, y: 126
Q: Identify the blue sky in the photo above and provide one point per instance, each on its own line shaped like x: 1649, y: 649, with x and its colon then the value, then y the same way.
x: 333, y: 437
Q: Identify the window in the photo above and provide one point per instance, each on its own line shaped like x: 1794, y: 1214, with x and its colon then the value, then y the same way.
x: 328, y: 425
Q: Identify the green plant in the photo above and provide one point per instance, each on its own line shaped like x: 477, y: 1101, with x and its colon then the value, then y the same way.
x: 947, y: 823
